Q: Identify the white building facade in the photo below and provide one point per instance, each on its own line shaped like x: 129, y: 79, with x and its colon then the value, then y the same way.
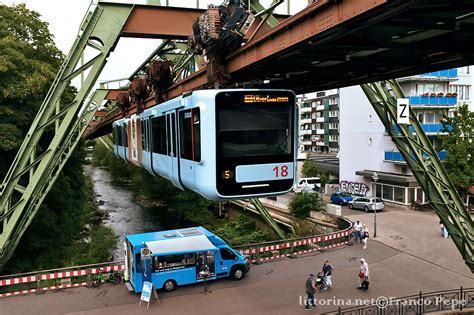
x: 365, y: 147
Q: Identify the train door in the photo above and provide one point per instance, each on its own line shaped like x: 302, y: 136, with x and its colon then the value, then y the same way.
x: 190, y: 145
x: 135, y: 140
x: 172, y: 148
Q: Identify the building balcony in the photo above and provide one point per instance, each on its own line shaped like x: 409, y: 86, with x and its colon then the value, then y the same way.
x: 451, y: 73
x: 320, y: 143
x: 432, y: 128
x: 320, y: 107
x: 319, y: 119
x: 440, y: 76
x: 305, y: 121
x: 396, y: 157
x: 423, y: 101
x: 319, y: 131
x: 305, y: 109
x: 305, y: 132
x: 428, y: 128
x: 306, y: 142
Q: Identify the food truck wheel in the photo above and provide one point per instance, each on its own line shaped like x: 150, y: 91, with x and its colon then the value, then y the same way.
x: 238, y: 273
x: 169, y: 285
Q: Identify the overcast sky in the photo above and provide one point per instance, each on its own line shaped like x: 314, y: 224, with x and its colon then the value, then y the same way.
x: 65, y: 16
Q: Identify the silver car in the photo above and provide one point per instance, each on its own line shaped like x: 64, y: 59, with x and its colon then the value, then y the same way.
x: 367, y: 203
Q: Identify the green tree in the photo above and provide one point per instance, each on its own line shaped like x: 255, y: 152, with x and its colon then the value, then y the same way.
x: 309, y: 167
x: 459, y: 162
x: 29, y: 61
x: 302, y: 203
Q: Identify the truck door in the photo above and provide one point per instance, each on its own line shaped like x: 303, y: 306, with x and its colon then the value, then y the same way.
x: 227, y: 259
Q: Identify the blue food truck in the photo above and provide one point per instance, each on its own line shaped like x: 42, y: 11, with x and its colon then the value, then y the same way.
x: 177, y: 257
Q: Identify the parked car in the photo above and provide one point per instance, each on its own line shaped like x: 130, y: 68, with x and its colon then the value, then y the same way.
x: 367, y: 203
x: 308, y: 189
x: 341, y: 198
x: 313, y: 182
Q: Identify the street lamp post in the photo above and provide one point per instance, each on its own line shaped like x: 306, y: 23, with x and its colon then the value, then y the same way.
x: 375, y: 178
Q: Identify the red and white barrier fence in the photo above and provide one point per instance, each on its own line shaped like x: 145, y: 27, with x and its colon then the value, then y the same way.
x: 42, y: 281
x: 83, y: 275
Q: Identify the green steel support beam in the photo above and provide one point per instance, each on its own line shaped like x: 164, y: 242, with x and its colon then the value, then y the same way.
x: 106, y: 142
x: 268, y: 218
x: 257, y: 7
x: 99, y: 31
x: 422, y: 159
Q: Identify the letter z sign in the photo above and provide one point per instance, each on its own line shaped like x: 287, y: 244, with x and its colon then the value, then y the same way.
x: 403, y: 113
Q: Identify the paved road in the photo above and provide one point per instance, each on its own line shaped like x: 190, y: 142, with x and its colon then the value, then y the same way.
x: 408, y: 256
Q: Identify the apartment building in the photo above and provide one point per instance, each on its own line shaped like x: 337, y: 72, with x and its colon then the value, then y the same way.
x: 365, y: 147
x: 319, y: 122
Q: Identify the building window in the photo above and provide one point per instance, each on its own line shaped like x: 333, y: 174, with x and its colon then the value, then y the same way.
x: 411, y: 195
x: 464, y: 70
x: 461, y: 90
x: 399, y: 194
x: 378, y: 190
x: 387, y: 192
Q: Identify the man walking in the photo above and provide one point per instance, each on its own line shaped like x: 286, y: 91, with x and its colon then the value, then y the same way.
x: 310, y: 290
x: 327, y: 272
x: 358, y: 231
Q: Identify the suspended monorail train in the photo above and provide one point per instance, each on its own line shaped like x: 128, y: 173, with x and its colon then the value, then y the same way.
x: 222, y: 144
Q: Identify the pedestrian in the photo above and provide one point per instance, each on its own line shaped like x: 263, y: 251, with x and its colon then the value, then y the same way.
x: 444, y: 231
x: 358, y: 231
x: 363, y: 275
x: 365, y: 235
x: 328, y: 269
x: 310, y: 288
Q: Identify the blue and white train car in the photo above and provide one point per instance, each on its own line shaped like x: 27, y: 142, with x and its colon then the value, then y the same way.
x: 222, y: 144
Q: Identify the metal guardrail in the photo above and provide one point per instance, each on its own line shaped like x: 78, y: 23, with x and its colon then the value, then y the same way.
x: 70, y: 277
x: 53, y: 279
x: 450, y: 300
x: 265, y: 251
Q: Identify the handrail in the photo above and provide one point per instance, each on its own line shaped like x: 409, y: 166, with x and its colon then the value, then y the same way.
x: 421, y: 303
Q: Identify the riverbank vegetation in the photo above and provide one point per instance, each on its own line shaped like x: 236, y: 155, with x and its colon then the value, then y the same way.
x: 181, y: 208
x: 65, y: 230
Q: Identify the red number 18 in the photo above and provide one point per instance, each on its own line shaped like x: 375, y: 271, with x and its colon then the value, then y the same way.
x: 284, y: 171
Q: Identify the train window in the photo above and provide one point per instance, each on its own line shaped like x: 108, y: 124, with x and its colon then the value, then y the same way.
x: 173, y: 133
x: 168, y: 133
x: 255, y: 129
x: 114, y: 131
x: 125, y: 136
x: 158, y: 126
x: 190, y: 134
x: 144, y: 126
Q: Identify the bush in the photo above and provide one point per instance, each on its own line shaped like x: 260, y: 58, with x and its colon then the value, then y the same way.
x: 302, y: 203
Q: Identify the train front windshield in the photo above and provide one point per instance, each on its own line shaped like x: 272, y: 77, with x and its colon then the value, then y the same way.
x: 254, y: 128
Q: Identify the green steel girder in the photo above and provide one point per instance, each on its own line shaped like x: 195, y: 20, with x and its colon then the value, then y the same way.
x: 106, y: 142
x: 422, y: 159
x: 256, y: 6
x: 268, y: 218
x: 99, y: 31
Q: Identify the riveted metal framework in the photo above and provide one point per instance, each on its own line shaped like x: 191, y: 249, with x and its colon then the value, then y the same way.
x: 33, y: 171
x: 423, y: 161
x: 30, y: 177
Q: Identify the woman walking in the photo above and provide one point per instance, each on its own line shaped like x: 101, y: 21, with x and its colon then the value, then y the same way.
x: 364, y: 275
x: 365, y: 236
x: 327, y: 272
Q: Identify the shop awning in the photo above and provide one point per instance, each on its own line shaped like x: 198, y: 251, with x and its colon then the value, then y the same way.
x: 180, y: 245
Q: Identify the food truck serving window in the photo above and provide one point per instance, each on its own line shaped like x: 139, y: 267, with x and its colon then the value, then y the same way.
x: 161, y: 263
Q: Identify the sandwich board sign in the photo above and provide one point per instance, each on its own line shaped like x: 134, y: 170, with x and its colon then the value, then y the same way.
x: 147, y: 291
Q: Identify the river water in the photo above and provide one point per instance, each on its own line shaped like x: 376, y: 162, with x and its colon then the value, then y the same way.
x: 125, y: 216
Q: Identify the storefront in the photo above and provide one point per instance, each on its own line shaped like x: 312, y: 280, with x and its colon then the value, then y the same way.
x: 395, y: 188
